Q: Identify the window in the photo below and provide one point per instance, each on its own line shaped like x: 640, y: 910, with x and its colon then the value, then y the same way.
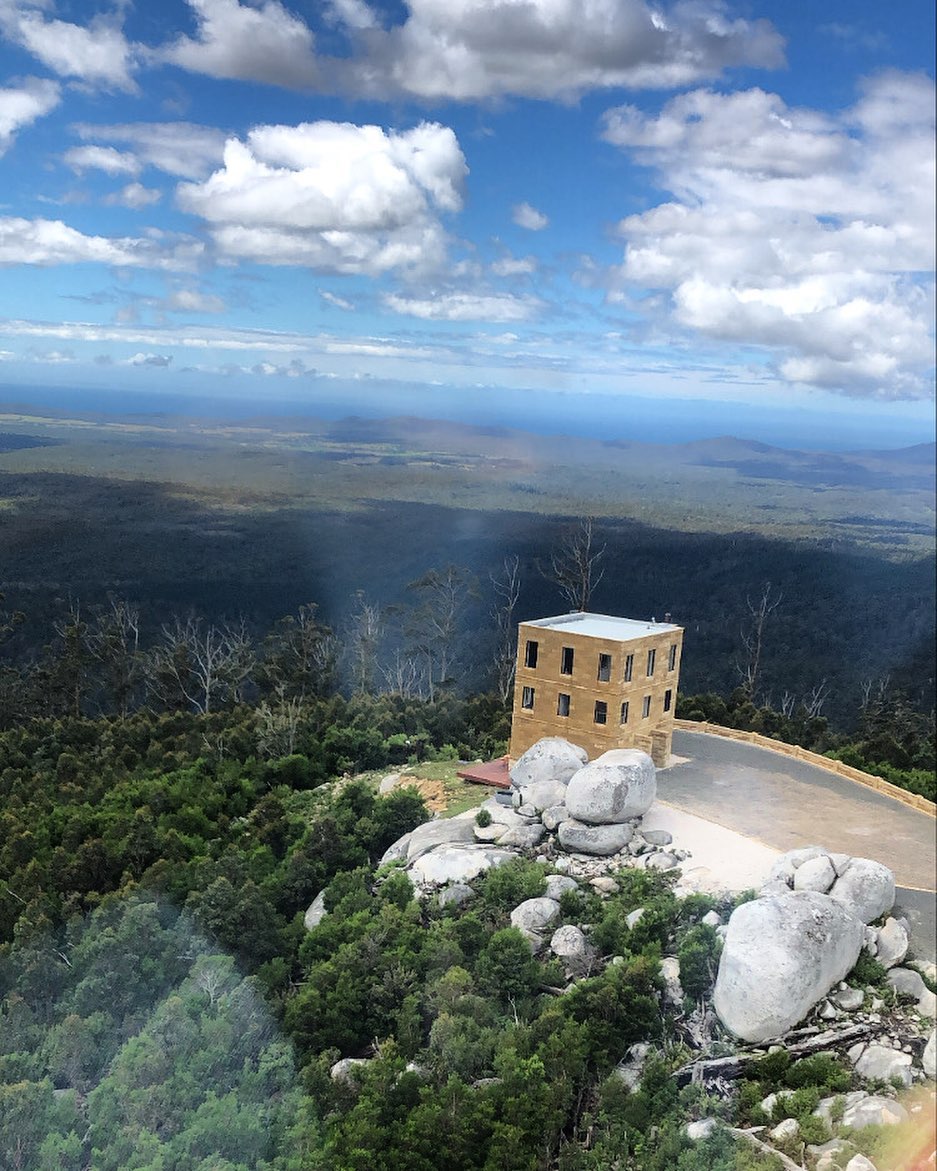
x: 527, y: 699
x: 562, y: 705
x: 530, y: 657
x: 672, y: 661
x: 629, y: 668
x: 651, y: 656
x: 624, y: 713
x: 601, y: 711
x: 668, y: 699
x: 645, y: 707
x: 566, y: 661
x: 605, y: 668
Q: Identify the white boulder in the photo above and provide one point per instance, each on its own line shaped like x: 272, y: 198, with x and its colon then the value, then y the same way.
x: 550, y: 759
x: 456, y: 863
x: 615, y: 787
x: 601, y: 840
x: 817, y: 874
x: 535, y: 914
x: 891, y: 943
x: 440, y: 831
x: 781, y: 956
x: 558, y: 885
x: 542, y: 794
x: 866, y: 888
x: 315, y: 912
x: 874, y: 1111
x: 881, y: 1063
x: 571, y: 946
x: 929, y: 1056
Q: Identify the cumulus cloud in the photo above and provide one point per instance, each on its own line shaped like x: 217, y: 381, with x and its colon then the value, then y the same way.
x: 99, y: 55
x: 473, y: 49
x: 809, y: 234
x: 514, y: 266
x: 333, y: 196
x: 528, y: 217
x: 50, y: 242
x: 182, y: 149
x: 22, y: 104
x: 466, y: 307
x: 263, y: 43
x: 102, y: 158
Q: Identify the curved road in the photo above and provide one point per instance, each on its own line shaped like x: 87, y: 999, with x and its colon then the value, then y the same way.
x: 787, y: 803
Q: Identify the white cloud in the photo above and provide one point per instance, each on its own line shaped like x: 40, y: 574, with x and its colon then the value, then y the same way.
x: 338, y: 302
x: 160, y: 360
x: 263, y: 43
x: 466, y: 307
x: 135, y: 196
x: 192, y: 301
x: 22, y: 104
x: 333, y: 196
x: 99, y: 55
x: 178, y: 148
x: 51, y: 242
x: 809, y: 234
x: 528, y: 217
x: 102, y: 158
x: 514, y: 266
x: 472, y: 49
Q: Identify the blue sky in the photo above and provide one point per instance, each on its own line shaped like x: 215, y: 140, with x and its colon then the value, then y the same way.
x: 727, y: 203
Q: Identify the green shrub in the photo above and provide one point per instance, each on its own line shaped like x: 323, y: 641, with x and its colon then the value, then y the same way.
x: 699, y: 957
x: 483, y: 818
x: 869, y: 971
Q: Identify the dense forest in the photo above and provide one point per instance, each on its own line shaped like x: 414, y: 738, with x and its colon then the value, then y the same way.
x: 164, y: 1008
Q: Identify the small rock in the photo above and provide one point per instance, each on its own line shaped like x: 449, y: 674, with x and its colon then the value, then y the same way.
x: 527, y: 811
x: 543, y: 795
x: 860, y: 1163
x: 670, y: 970
x: 315, y: 912
x: 661, y: 862
x: 907, y: 983
x: 525, y: 837
x: 630, y: 1070
x: 634, y: 917
x: 866, y: 888
x: 559, y: 884
x: 535, y: 914
x: 388, y: 783
x: 657, y: 837
x: 553, y: 816
x: 489, y: 833
x: 455, y: 895
x: 874, y: 1111
x: 788, y: 1129
x: 892, y: 943
x: 827, y: 1012
x: 341, y: 1071
x: 571, y: 946
x: 848, y: 999
x: 700, y: 1130
x: 605, y: 885
x: 929, y: 1056
x: 878, y: 1062
x: 712, y: 919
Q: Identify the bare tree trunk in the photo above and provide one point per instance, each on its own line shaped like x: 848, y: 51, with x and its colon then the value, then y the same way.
x: 507, y: 587
x: 753, y: 638
x: 574, y: 566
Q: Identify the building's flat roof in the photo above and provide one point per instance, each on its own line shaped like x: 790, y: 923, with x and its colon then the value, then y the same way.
x: 604, y: 626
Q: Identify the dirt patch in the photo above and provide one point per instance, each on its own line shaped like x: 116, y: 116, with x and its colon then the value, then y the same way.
x: 433, y: 792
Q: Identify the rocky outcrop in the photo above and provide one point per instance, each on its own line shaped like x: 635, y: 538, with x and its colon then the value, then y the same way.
x: 600, y: 840
x: 864, y: 887
x: 781, y: 956
x: 616, y: 787
x: 315, y: 912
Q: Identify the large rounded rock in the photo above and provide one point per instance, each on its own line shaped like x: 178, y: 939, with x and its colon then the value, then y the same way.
x: 543, y: 794
x: 535, y: 914
x: 780, y: 957
x: 600, y: 840
x: 550, y: 759
x: 866, y: 888
x: 456, y: 863
x: 614, y: 788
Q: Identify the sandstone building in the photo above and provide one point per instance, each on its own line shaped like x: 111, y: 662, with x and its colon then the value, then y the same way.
x: 599, y: 681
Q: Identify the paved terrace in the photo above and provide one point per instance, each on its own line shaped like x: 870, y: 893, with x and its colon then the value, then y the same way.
x: 785, y: 803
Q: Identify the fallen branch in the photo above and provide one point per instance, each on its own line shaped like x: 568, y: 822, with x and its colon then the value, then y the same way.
x: 766, y: 1149
x: 735, y: 1065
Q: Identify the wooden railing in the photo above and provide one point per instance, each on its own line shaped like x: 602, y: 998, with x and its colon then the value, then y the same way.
x: 879, y: 784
